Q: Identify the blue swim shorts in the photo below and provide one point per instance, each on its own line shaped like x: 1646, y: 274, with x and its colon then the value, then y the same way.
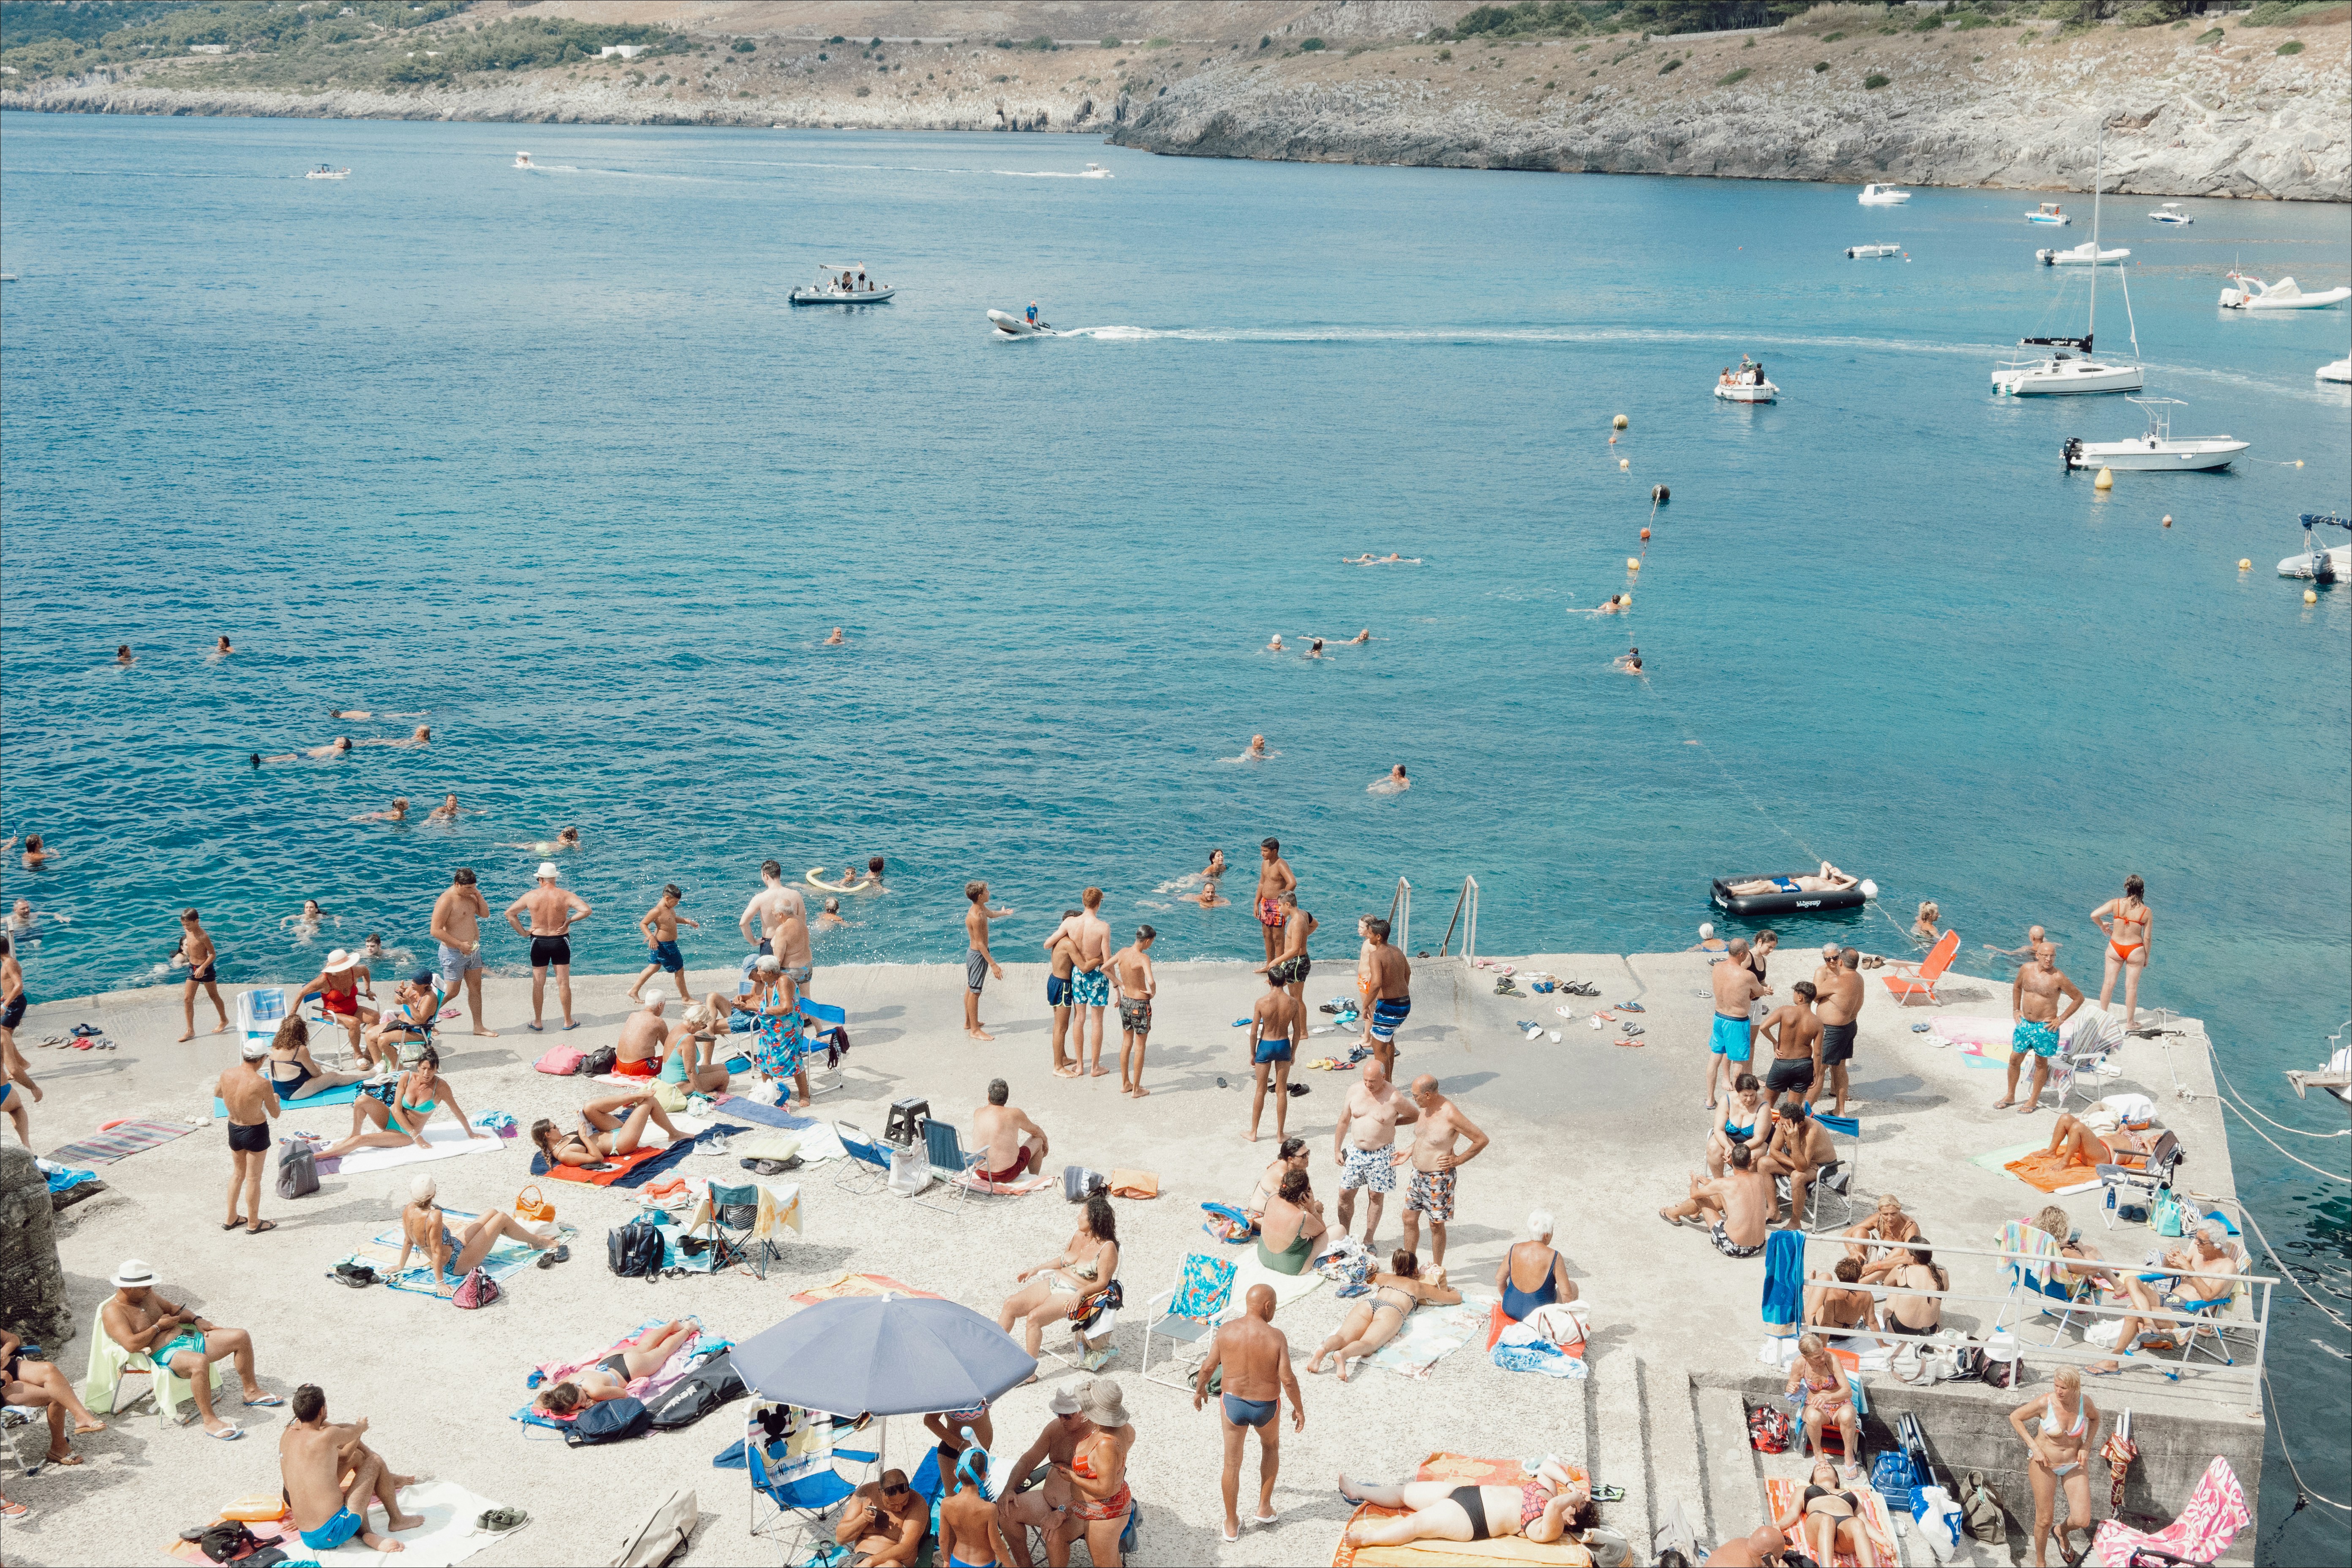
x: 666, y: 953
x: 2042, y: 1039
x: 335, y: 1532
x: 1090, y: 990
x: 1057, y: 991
x: 1387, y: 1013
x: 1272, y: 1048
x: 1731, y: 1038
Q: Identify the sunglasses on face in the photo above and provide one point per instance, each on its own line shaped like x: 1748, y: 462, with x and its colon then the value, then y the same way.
x: 895, y: 1491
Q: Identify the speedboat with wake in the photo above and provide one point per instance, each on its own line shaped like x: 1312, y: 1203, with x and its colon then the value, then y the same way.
x: 1096, y: 172
x: 522, y: 161
x: 2318, y: 563
x: 1014, y: 326
x: 2159, y: 450
x: 2252, y: 294
x: 328, y: 172
x: 843, y: 286
x: 2059, y: 372
x: 1876, y: 195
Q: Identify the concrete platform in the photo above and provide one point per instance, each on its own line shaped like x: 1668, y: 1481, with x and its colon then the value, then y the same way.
x: 1600, y: 1135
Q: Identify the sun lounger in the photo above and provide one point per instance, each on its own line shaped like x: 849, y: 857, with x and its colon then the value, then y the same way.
x: 1187, y: 1313
x: 1908, y: 982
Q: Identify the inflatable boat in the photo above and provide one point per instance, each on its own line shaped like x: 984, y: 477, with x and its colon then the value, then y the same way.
x: 1788, y: 896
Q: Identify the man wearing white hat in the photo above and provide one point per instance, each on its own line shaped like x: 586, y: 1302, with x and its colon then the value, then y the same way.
x: 1046, y: 1506
x: 338, y: 988
x: 141, y: 1320
x: 553, y: 910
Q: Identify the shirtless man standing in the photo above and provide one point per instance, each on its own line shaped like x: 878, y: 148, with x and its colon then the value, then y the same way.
x: 1277, y: 1024
x: 1011, y: 1144
x: 978, y: 965
x: 252, y: 1105
x: 659, y: 926
x: 1363, y: 1145
x: 1293, y: 967
x: 1434, y: 1161
x: 1735, y: 989
x: 1274, y: 880
x: 1063, y: 949
x: 1255, y: 1359
x: 1130, y: 967
x: 1046, y: 1506
x: 780, y: 909
x: 456, y: 914
x: 1741, y: 1201
x: 203, y: 966
x: 312, y: 1460
x: 1390, y: 990
x: 1796, y: 1039
x: 1838, y: 984
x: 1089, y: 979
x: 554, y: 908
x: 2034, y: 1020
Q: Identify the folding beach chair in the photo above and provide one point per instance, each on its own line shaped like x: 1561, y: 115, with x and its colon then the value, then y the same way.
x: 866, y: 1171
x: 1910, y: 981
x: 950, y: 1167
x: 796, y: 1476
x: 2037, y: 1282
x: 1186, y: 1313
x: 110, y: 1364
x: 727, y: 1219
x: 1837, y: 1177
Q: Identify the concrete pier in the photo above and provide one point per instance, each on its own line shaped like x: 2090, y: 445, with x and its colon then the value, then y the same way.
x: 1599, y: 1134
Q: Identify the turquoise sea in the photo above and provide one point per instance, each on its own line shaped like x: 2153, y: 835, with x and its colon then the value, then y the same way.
x: 546, y: 458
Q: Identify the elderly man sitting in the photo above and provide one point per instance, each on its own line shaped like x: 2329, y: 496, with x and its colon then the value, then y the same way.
x: 638, y: 1052
x: 1012, y: 1145
x: 2206, y: 1251
x: 138, y: 1319
x: 884, y: 1522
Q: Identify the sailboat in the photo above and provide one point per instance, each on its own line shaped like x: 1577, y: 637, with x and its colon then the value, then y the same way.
x: 2060, y: 372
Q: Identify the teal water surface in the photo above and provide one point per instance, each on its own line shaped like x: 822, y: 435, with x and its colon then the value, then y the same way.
x: 546, y: 458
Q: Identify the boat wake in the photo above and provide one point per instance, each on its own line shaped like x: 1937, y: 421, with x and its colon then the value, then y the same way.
x: 1509, y: 337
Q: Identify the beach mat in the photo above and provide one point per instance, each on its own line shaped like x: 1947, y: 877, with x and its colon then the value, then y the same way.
x: 2045, y: 1170
x: 443, y: 1140
x: 634, y: 1169
x: 1780, y: 1494
x: 860, y: 1285
x: 447, y: 1537
x: 1431, y: 1334
x: 505, y: 1259
x: 1998, y: 1159
x: 1461, y: 1471
x: 117, y: 1142
x: 341, y: 1094
x: 747, y: 1110
x: 1286, y: 1287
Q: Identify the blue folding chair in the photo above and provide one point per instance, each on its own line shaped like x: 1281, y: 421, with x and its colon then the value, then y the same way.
x: 799, y: 1492
x: 868, y: 1169
x: 1836, y: 1178
x: 950, y: 1167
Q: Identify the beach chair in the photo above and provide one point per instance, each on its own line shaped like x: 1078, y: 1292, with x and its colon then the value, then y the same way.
x: 950, y: 1167
x: 260, y: 1010
x: 801, y: 1483
x: 728, y: 1219
x: 2216, y: 1512
x: 2088, y: 1045
x: 1910, y: 981
x: 2037, y: 1283
x: 110, y: 1364
x: 866, y: 1171
x: 1186, y: 1314
x: 1837, y: 1177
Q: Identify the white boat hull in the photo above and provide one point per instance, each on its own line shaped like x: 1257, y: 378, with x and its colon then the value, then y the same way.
x: 1019, y: 326
x: 1768, y: 392
x: 2146, y: 456
x: 1882, y: 197
x: 2060, y: 218
x: 2080, y: 256
x: 2065, y: 377
x: 2237, y: 300
x: 2337, y: 566
x: 2337, y: 371
x: 1871, y: 252
x: 835, y: 296
x: 338, y: 175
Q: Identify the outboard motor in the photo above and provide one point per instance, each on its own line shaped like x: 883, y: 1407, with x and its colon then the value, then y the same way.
x: 2071, y: 453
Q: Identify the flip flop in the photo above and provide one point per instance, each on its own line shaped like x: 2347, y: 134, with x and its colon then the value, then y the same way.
x: 65, y: 1458
x: 573, y: 1025
x: 1627, y: 1007
x: 257, y: 1230
x: 267, y: 1402
x: 1227, y: 1537
x: 231, y: 1436
x: 535, y: 1027
x: 501, y: 1519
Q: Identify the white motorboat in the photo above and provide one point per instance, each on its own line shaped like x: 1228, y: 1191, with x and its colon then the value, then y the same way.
x: 1096, y: 172
x: 1020, y: 326
x: 2049, y: 212
x: 1875, y: 195
x: 1871, y: 252
x: 849, y: 285
x: 2170, y: 212
x: 522, y: 161
x: 2059, y: 373
x: 328, y: 172
x: 2156, y: 452
x: 2320, y: 564
x: 2338, y: 371
x: 2080, y: 256
x: 2252, y: 294
x: 1746, y: 384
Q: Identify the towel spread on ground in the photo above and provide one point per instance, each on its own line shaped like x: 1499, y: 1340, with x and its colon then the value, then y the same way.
x: 2050, y: 1173
x: 61, y: 1178
x: 1461, y: 1471
x: 118, y: 1142
x: 975, y: 1181
x: 860, y: 1285
x: 1780, y: 1494
x: 1784, y: 1281
x: 447, y: 1536
x: 696, y: 1349
x: 1429, y: 1335
x: 341, y: 1094
x: 443, y: 1140
x: 506, y: 1257
x: 638, y: 1166
x: 1286, y: 1287
x: 744, y: 1108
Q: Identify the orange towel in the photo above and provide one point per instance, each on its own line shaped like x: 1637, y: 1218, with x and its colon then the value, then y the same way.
x: 859, y: 1285
x: 1780, y: 1494
x: 1461, y: 1471
x: 2042, y: 1169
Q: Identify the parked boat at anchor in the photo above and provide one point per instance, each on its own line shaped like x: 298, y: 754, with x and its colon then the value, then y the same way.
x: 1878, y: 195
x: 2080, y: 256
x: 2170, y: 212
x: 2319, y: 563
x: 2159, y: 451
x: 1803, y: 892
x: 843, y: 286
x: 2048, y: 213
x: 1871, y: 252
x: 1746, y: 385
x: 2252, y: 294
x: 2060, y: 373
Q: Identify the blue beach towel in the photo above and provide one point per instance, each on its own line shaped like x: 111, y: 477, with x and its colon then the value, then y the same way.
x: 343, y: 1094
x: 1784, y: 1281
x: 766, y: 1115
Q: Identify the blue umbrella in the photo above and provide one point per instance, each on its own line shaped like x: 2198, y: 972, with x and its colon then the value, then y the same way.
x: 890, y: 1355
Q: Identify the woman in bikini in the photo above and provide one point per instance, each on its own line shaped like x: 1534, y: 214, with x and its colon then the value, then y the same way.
x: 611, y: 1128
x: 611, y: 1377
x: 1826, y: 1517
x: 2060, y: 1430
x: 1887, y: 1222
x: 1374, y: 1321
x: 2125, y: 922
x: 1531, y: 1274
x: 424, y: 1227
x: 1748, y: 1118
x: 1066, y: 1285
x: 415, y: 1095
x: 1905, y: 1312
x: 294, y: 1074
x: 1829, y: 1397
x: 1543, y: 1509
x: 1291, y: 1157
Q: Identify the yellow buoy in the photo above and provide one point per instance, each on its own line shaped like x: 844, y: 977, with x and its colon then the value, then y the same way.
x: 1625, y: 462
x: 1632, y: 563
x: 2105, y: 482
x: 1620, y: 422
x: 2298, y: 462
x: 1625, y: 598
x: 2310, y: 596
x: 2244, y: 565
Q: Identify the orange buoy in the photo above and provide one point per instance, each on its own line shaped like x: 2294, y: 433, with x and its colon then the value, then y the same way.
x: 1645, y: 533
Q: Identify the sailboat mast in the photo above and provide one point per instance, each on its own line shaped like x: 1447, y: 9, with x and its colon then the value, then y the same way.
x: 2098, y: 163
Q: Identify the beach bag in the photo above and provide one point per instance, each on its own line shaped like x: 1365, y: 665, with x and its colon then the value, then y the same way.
x: 2004, y: 1362
x: 1134, y: 1184
x: 1892, y: 1476
x: 560, y: 1061
x: 1771, y: 1429
x: 2133, y: 1111
x: 599, y: 1061
x: 1912, y: 1364
x: 298, y: 1169
x: 530, y: 1204
x: 636, y: 1250
x: 706, y: 1388
x: 226, y: 1540
x: 663, y: 1535
x: 1952, y: 1357
x: 2168, y: 1216
x: 1078, y: 1184
x: 1981, y: 1511
x: 609, y: 1421
x: 477, y: 1289
x: 1227, y: 1223
x: 910, y: 1169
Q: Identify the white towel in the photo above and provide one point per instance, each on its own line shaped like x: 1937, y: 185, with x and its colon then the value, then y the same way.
x: 447, y: 1536
x: 444, y: 1141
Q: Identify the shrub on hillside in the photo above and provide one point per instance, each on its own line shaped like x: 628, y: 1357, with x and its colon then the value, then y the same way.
x: 2290, y: 48
x: 1872, y: 82
x: 1733, y: 77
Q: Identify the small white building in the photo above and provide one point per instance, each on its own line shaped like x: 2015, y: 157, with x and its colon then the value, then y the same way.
x: 626, y: 51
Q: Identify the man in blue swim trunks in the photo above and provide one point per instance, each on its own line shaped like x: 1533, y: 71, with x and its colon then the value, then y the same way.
x: 313, y: 1458
x: 1254, y: 1358
x: 1388, y: 975
x: 2035, y: 1018
x: 1277, y: 1023
x: 659, y: 927
x: 1734, y: 1039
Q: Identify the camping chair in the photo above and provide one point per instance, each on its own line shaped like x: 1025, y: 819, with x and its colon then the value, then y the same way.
x: 868, y: 1169
x: 2038, y: 1281
x: 1909, y: 981
x: 260, y: 1010
x: 2092, y: 1038
x: 1836, y: 1178
x: 1187, y: 1312
x: 110, y: 1364
x: 950, y: 1167
x: 728, y: 1218
x: 800, y: 1484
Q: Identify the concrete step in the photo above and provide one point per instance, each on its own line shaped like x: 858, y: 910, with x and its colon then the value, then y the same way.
x: 1677, y: 1466
x: 1620, y: 1440
x: 1733, y: 1485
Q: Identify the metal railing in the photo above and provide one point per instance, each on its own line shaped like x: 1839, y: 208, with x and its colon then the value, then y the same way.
x: 1466, y: 902
x: 1401, y: 916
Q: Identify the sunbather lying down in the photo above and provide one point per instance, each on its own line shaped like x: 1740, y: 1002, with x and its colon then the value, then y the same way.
x: 1543, y: 1510
x: 1830, y: 879
x: 610, y: 1378
x: 1374, y: 1321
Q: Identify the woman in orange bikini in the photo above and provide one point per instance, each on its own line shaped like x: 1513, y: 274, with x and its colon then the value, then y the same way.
x: 2126, y: 923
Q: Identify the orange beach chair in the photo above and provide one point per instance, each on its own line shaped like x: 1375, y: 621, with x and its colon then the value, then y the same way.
x: 1907, y: 982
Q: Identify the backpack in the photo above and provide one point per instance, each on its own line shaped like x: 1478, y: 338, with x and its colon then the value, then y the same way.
x: 599, y: 1061
x: 1078, y: 1184
x: 226, y: 1540
x: 634, y: 1250
x: 664, y: 1531
x: 706, y: 1388
x: 560, y: 1060
x: 298, y: 1169
x: 1981, y: 1509
x: 608, y: 1421
x: 1771, y: 1429
x: 474, y: 1290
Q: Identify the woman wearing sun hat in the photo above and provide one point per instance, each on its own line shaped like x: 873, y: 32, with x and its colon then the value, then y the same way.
x: 338, y: 988
x: 1098, y: 1470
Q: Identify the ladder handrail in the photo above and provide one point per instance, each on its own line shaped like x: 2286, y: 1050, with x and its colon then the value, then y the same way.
x: 1468, y: 896
x: 1400, y: 902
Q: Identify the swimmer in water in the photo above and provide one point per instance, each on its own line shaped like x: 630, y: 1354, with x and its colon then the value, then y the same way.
x: 349, y: 713
x: 1274, y: 645
x: 1630, y: 661
x: 874, y: 867
x: 334, y: 748
x: 21, y: 917
x: 836, y: 639
x: 222, y: 649
x: 35, y: 853
x: 307, y: 923
x: 1610, y: 606
x: 1313, y: 650
x: 396, y: 811
x: 568, y: 838
x: 445, y: 812
x: 1254, y: 752
x: 122, y: 655
x: 1395, y: 784
x: 1361, y: 636
x: 829, y: 917
x: 422, y: 736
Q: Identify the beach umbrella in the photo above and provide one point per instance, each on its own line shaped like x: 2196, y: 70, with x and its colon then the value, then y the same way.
x: 883, y: 1355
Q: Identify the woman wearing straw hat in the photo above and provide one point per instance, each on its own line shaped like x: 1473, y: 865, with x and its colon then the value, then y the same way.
x: 1098, y: 1471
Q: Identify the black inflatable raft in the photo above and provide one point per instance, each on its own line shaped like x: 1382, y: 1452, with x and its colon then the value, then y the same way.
x: 1786, y: 899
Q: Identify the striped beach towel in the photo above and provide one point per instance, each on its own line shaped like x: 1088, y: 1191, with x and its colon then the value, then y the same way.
x: 118, y: 1142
